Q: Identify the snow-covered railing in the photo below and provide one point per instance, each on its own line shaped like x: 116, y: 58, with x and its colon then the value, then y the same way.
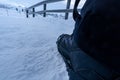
x: 44, y: 3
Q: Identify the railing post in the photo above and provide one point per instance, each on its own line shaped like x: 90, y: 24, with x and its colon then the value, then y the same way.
x: 67, y: 7
x: 44, y: 8
x: 27, y: 15
x: 33, y: 12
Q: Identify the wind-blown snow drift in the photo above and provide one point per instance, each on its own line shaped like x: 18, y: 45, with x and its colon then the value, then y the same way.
x: 28, y: 48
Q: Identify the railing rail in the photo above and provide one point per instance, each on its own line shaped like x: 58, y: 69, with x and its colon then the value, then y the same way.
x: 54, y: 11
x: 44, y: 3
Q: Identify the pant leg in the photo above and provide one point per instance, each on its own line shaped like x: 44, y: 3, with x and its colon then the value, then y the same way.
x: 86, y: 68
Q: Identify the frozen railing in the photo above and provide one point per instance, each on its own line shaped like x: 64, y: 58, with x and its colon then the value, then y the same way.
x: 31, y: 10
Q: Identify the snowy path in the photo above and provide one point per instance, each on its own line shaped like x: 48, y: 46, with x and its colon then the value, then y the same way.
x: 28, y: 49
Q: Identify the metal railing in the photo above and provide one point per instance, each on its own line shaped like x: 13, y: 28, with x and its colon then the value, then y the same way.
x: 44, y: 3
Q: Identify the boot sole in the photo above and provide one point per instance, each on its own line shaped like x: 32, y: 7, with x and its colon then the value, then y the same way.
x: 66, y: 59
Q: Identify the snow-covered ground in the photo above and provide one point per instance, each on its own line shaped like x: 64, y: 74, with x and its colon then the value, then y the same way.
x: 10, y: 13
x: 28, y: 47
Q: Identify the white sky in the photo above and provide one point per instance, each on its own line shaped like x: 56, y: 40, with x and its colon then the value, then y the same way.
x: 28, y: 3
x: 20, y: 2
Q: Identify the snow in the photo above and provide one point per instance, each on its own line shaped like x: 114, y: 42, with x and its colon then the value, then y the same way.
x: 11, y: 13
x: 28, y: 47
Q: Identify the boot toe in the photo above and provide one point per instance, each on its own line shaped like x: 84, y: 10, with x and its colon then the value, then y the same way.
x: 61, y: 38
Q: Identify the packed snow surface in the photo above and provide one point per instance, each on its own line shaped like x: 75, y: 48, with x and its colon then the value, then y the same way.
x: 28, y: 47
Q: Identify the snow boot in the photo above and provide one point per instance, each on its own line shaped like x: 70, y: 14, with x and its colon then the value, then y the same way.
x: 81, y: 66
x: 66, y: 46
